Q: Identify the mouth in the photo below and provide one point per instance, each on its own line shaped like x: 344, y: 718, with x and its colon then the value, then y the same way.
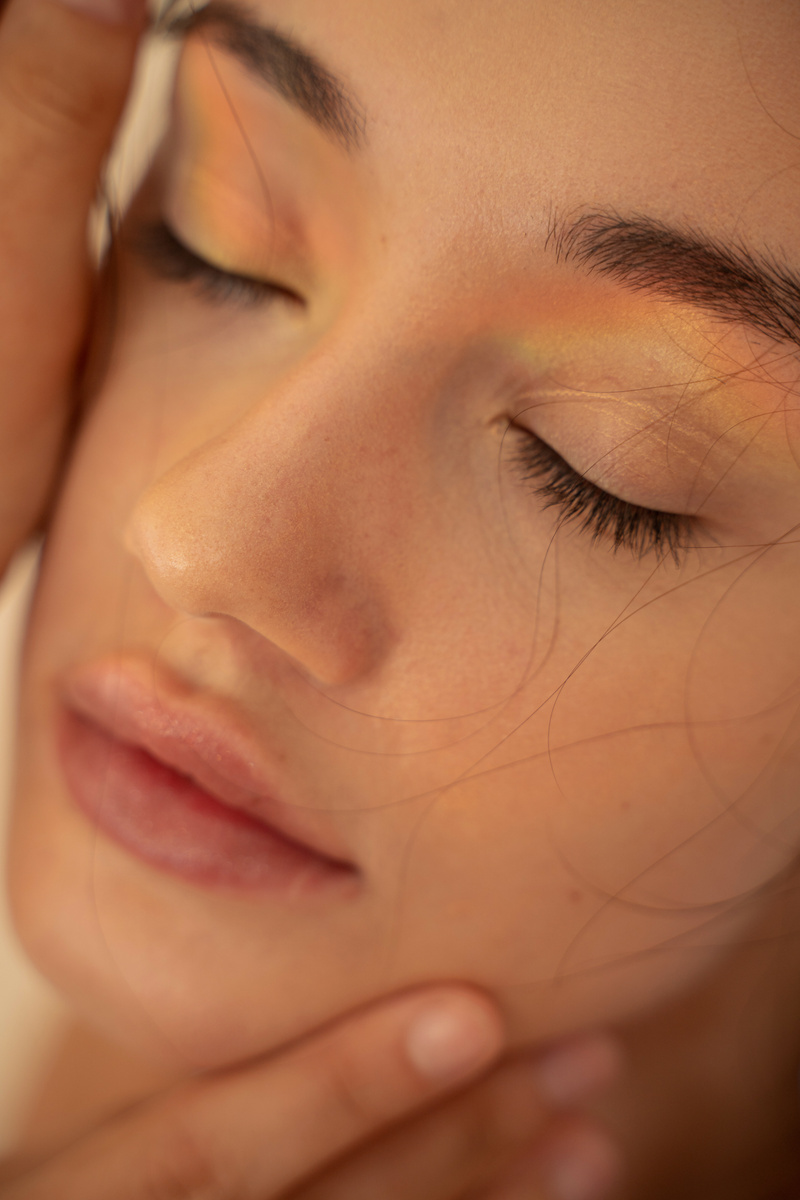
x: 165, y: 774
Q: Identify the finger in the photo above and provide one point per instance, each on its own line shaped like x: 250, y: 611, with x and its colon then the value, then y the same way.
x: 64, y: 77
x: 447, y: 1153
x: 256, y: 1132
x: 474, y: 1137
x: 579, y: 1161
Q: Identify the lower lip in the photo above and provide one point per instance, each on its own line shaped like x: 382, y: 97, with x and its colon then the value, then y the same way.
x: 170, y: 823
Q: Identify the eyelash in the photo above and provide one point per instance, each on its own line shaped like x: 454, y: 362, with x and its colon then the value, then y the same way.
x: 629, y: 526
x: 169, y: 258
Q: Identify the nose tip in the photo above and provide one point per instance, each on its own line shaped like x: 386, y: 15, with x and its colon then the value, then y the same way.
x: 220, y: 542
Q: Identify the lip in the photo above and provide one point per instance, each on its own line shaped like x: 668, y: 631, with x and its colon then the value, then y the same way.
x: 169, y: 773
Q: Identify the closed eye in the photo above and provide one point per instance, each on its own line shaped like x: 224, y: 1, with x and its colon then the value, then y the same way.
x: 627, y: 526
x: 167, y: 257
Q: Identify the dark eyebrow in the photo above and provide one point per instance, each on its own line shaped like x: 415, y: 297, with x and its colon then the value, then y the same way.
x: 282, y: 64
x: 731, y: 281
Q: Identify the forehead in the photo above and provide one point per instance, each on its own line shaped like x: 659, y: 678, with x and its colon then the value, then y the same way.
x: 511, y: 108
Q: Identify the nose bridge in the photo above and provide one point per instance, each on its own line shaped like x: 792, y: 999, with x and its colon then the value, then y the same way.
x: 280, y: 520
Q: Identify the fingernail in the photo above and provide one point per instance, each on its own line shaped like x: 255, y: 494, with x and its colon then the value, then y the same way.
x: 453, y: 1039
x: 568, y: 1074
x: 110, y: 12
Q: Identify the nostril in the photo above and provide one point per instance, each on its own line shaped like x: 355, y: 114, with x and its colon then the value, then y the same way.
x: 214, y: 553
x: 331, y: 624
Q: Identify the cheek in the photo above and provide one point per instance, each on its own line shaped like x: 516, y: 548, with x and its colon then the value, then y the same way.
x: 575, y: 906
x: 675, y: 742
x: 608, y: 852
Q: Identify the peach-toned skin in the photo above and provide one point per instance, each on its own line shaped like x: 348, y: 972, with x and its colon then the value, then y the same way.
x: 311, y: 512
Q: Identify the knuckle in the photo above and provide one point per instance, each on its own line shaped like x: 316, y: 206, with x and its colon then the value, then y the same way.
x: 185, y: 1167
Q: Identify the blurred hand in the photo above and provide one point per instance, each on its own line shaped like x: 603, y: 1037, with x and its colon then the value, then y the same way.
x: 397, y: 1102
x: 64, y: 77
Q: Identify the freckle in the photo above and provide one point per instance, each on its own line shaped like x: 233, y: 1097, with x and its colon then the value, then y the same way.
x: 576, y: 896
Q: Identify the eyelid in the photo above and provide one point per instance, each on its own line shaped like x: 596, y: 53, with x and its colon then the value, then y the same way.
x: 171, y: 258
x: 631, y: 526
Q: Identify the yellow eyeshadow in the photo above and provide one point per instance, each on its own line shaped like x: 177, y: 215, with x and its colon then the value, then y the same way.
x: 215, y: 222
x: 584, y: 339
x: 214, y: 194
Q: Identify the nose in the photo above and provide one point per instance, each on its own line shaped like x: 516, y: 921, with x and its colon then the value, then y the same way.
x: 267, y: 523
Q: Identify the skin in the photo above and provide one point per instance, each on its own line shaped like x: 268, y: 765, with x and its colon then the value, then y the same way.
x: 350, y: 1105
x: 311, y: 513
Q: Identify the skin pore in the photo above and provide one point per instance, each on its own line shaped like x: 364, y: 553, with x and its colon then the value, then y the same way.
x: 325, y: 514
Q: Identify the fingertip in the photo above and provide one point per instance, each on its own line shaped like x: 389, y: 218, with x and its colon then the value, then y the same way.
x: 454, y: 1036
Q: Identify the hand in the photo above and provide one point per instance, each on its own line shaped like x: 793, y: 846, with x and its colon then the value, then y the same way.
x: 516, y: 1134
x: 260, y: 1130
x: 64, y: 77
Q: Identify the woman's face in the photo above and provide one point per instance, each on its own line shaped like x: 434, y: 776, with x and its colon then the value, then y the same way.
x: 340, y: 545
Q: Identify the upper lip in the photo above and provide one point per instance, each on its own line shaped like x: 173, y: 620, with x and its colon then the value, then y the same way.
x: 197, y: 736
